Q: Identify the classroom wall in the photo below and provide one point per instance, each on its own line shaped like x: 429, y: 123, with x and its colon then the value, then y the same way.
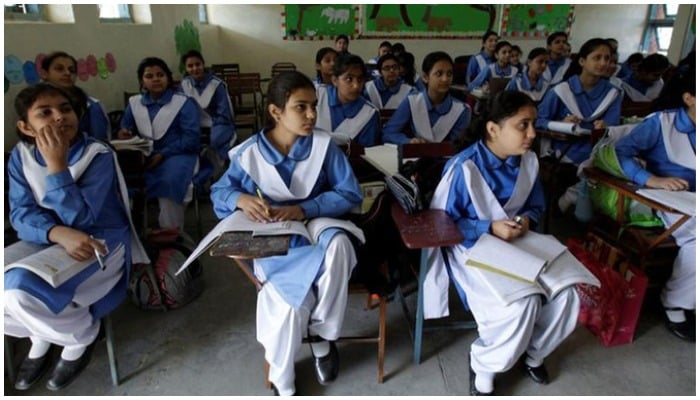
x: 250, y: 35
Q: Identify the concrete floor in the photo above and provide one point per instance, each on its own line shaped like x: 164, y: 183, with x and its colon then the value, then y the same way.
x: 209, y: 348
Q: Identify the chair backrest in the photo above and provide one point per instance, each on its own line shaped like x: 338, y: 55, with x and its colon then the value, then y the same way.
x: 247, y: 83
x: 631, y: 108
x: 497, y: 85
x: 127, y: 95
x: 223, y: 71
x: 281, y: 67
x: 460, y: 69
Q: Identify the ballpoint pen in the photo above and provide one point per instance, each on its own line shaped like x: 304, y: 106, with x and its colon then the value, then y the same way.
x: 518, y: 220
x: 267, y: 210
x: 99, y: 257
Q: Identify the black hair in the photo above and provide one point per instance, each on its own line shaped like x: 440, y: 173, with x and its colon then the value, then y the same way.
x: 398, y: 47
x: 281, y: 88
x: 516, y: 48
x: 319, y: 57
x: 28, y: 96
x: 654, y: 63
x: 586, y: 49
x: 634, y: 58
x: 408, y: 62
x: 191, y: 53
x: 432, y: 58
x: 553, y: 36
x: 672, y: 94
x: 49, y: 59
x: 386, y: 57
x: 501, y: 107
x: 345, y: 61
x: 486, y: 37
x: 501, y: 45
x: 342, y: 36
x: 536, y: 52
x: 385, y: 43
x: 153, y: 62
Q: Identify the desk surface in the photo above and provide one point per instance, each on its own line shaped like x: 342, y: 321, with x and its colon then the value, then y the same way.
x: 562, y: 136
x: 427, y: 228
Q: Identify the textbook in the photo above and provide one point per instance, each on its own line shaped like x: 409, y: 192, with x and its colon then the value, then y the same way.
x: 239, y: 222
x: 532, y: 264
x: 568, y: 128
x: 681, y: 200
x: 136, y: 143
x: 52, y: 263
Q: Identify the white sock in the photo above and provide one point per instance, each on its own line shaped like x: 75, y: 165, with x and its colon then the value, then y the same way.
x: 72, y: 353
x: 676, y: 316
x: 39, y: 347
x: 320, y: 349
x: 484, y: 382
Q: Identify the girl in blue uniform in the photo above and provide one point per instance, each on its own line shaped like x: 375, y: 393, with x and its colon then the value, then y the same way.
x: 325, y: 60
x: 342, y: 110
x: 515, y: 53
x: 407, y: 70
x: 388, y: 90
x: 646, y: 82
x: 171, y: 121
x: 433, y: 114
x: 65, y: 189
x: 559, y: 61
x: 666, y: 141
x: 482, y: 59
x: 530, y: 81
x: 302, y: 175
x: 60, y: 68
x: 499, y: 69
x: 211, y: 94
x: 483, y: 189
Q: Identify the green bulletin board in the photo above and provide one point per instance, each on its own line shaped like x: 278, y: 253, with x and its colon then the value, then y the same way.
x: 536, y: 20
x: 316, y: 21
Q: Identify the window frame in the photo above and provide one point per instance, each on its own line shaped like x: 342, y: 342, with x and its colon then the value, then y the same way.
x: 36, y: 15
x: 653, y: 24
x: 203, y: 14
x: 123, y: 9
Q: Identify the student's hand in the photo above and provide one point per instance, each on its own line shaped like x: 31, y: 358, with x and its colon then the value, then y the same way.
x: 154, y: 161
x: 507, y: 229
x: 78, y: 244
x: 670, y: 183
x: 599, y: 124
x: 288, y: 213
x: 255, y: 208
x: 124, y: 133
x: 572, y: 118
x: 417, y: 140
x: 53, y: 146
x: 524, y: 223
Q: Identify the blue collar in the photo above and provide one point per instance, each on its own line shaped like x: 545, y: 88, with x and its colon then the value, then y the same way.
x: 301, y: 149
x: 491, y: 161
x: 600, y: 89
x: 443, y: 108
x: 683, y: 123
x: 350, y: 109
x: 146, y: 99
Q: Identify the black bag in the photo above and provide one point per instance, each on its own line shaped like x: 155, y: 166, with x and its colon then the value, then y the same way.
x: 421, y: 178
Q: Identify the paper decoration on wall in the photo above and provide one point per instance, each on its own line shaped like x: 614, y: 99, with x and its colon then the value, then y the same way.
x: 536, y: 21
x: 102, y: 68
x: 82, y: 70
x: 13, y: 69
x: 91, y: 62
x: 30, y: 74
x: 428, y: 21
x: 319, y: 21
x: 111, y: 62
x: 186, y: 39
x: 17, y: 72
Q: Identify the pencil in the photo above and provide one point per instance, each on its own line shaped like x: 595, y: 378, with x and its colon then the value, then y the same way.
x: 267, y: 210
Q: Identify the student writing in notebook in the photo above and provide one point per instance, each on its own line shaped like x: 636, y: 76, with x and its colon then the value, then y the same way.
x: 300, y: 174
x: 64, y: 189
x: 493, y: 187
x: 666, y: 141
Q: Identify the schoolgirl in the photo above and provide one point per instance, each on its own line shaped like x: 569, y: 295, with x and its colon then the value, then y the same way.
x: 325, y: 60
x: 559, y: 60
x: 482, y: 59
x: 515, y: 53
x: 499, y: 69
x: 301, y: 175
x: 388, y: 90
x: 171, y: 121
x: 211, y: 94
x: 646, y: 82
x: 60, y: 68
x: 483, y: 189
x: 433, y: 114
x: 342, y: 111
x: 65, y: 189
x: 530, y: 81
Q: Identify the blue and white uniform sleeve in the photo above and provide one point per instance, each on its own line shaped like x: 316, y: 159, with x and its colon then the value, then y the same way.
x: 642, y: 138
x: 472, y: 70
x: 227, y: 190
x: 550, y: 109
x: 393, y: 131
x: 222, y: 119
x: 189, y: 130
x: 370, y: 133
x: 484, y: 76
x: 99, y: 126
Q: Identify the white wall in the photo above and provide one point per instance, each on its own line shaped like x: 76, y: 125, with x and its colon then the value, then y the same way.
x: 250, y: 35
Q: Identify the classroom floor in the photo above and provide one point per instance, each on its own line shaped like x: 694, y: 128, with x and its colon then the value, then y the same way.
x: 209, y: 348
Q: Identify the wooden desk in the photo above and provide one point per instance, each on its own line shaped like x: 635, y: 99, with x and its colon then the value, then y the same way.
x: 424, y: 230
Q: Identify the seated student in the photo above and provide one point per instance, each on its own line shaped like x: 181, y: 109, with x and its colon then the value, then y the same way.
x: 433, y: 114
x: 342, y: 42
x: 64, y: 189
x: 559, y: 60
x: 342, y: 111
x: 515, y: 53
x: 325, y: 60
x: 666, y: 142
x: 301, y: 175
x: 628, y: 67
x: 645, y: 83
x: 388, y: 90
x: 398, y: 48
x: 483, y: 189
x: 407, y: 70
x: 211, y: 94
x: 530, y: 81
x: 60, y: 68
x: 384, y: 48
x: 499, y: 69
x: 171, y: 121
x: 485, y: 56
x: 612, y: 70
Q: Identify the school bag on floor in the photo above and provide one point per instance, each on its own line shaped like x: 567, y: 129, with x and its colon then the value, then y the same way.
x: 155, y: 286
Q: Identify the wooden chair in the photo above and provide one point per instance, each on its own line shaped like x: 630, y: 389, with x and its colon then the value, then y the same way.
x: 497, y: 85
x: 281, y: 67
x: 460, y: 69
x: 246, y: 97
x: 224, y: 71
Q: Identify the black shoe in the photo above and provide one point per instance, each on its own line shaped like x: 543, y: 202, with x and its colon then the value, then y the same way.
x: 276, y: 392
x: 473, y: 391
x: 327, y: 366
x: 66, y: 371
x: 684, y: 330
x: 31, y: 370
x: 538, y: 374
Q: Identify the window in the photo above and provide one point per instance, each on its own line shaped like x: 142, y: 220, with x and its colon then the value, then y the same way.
x: 657, y: 35
x: 25, y: 12
x: 203, y: 14
x: 114, y: 12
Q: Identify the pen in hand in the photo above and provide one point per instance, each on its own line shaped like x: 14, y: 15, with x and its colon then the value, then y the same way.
x: 100, y: 260
x: 518, y: 220
x: 267, y: 210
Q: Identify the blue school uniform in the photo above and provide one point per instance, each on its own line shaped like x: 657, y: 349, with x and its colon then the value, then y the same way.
x: 477, y: 63
x: 647, y: 142
x: 211, y: 94
x: 568, y: 98
x: 357, y: 121
x: 92, y: 203
x: 178, y: 143
x: 382, y: 96
x: 639, y: 91
x: 521, y: 83
x: 554, y: 73
x: 444, y: 122
x: 95, y: 121
x: 492, y: 71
